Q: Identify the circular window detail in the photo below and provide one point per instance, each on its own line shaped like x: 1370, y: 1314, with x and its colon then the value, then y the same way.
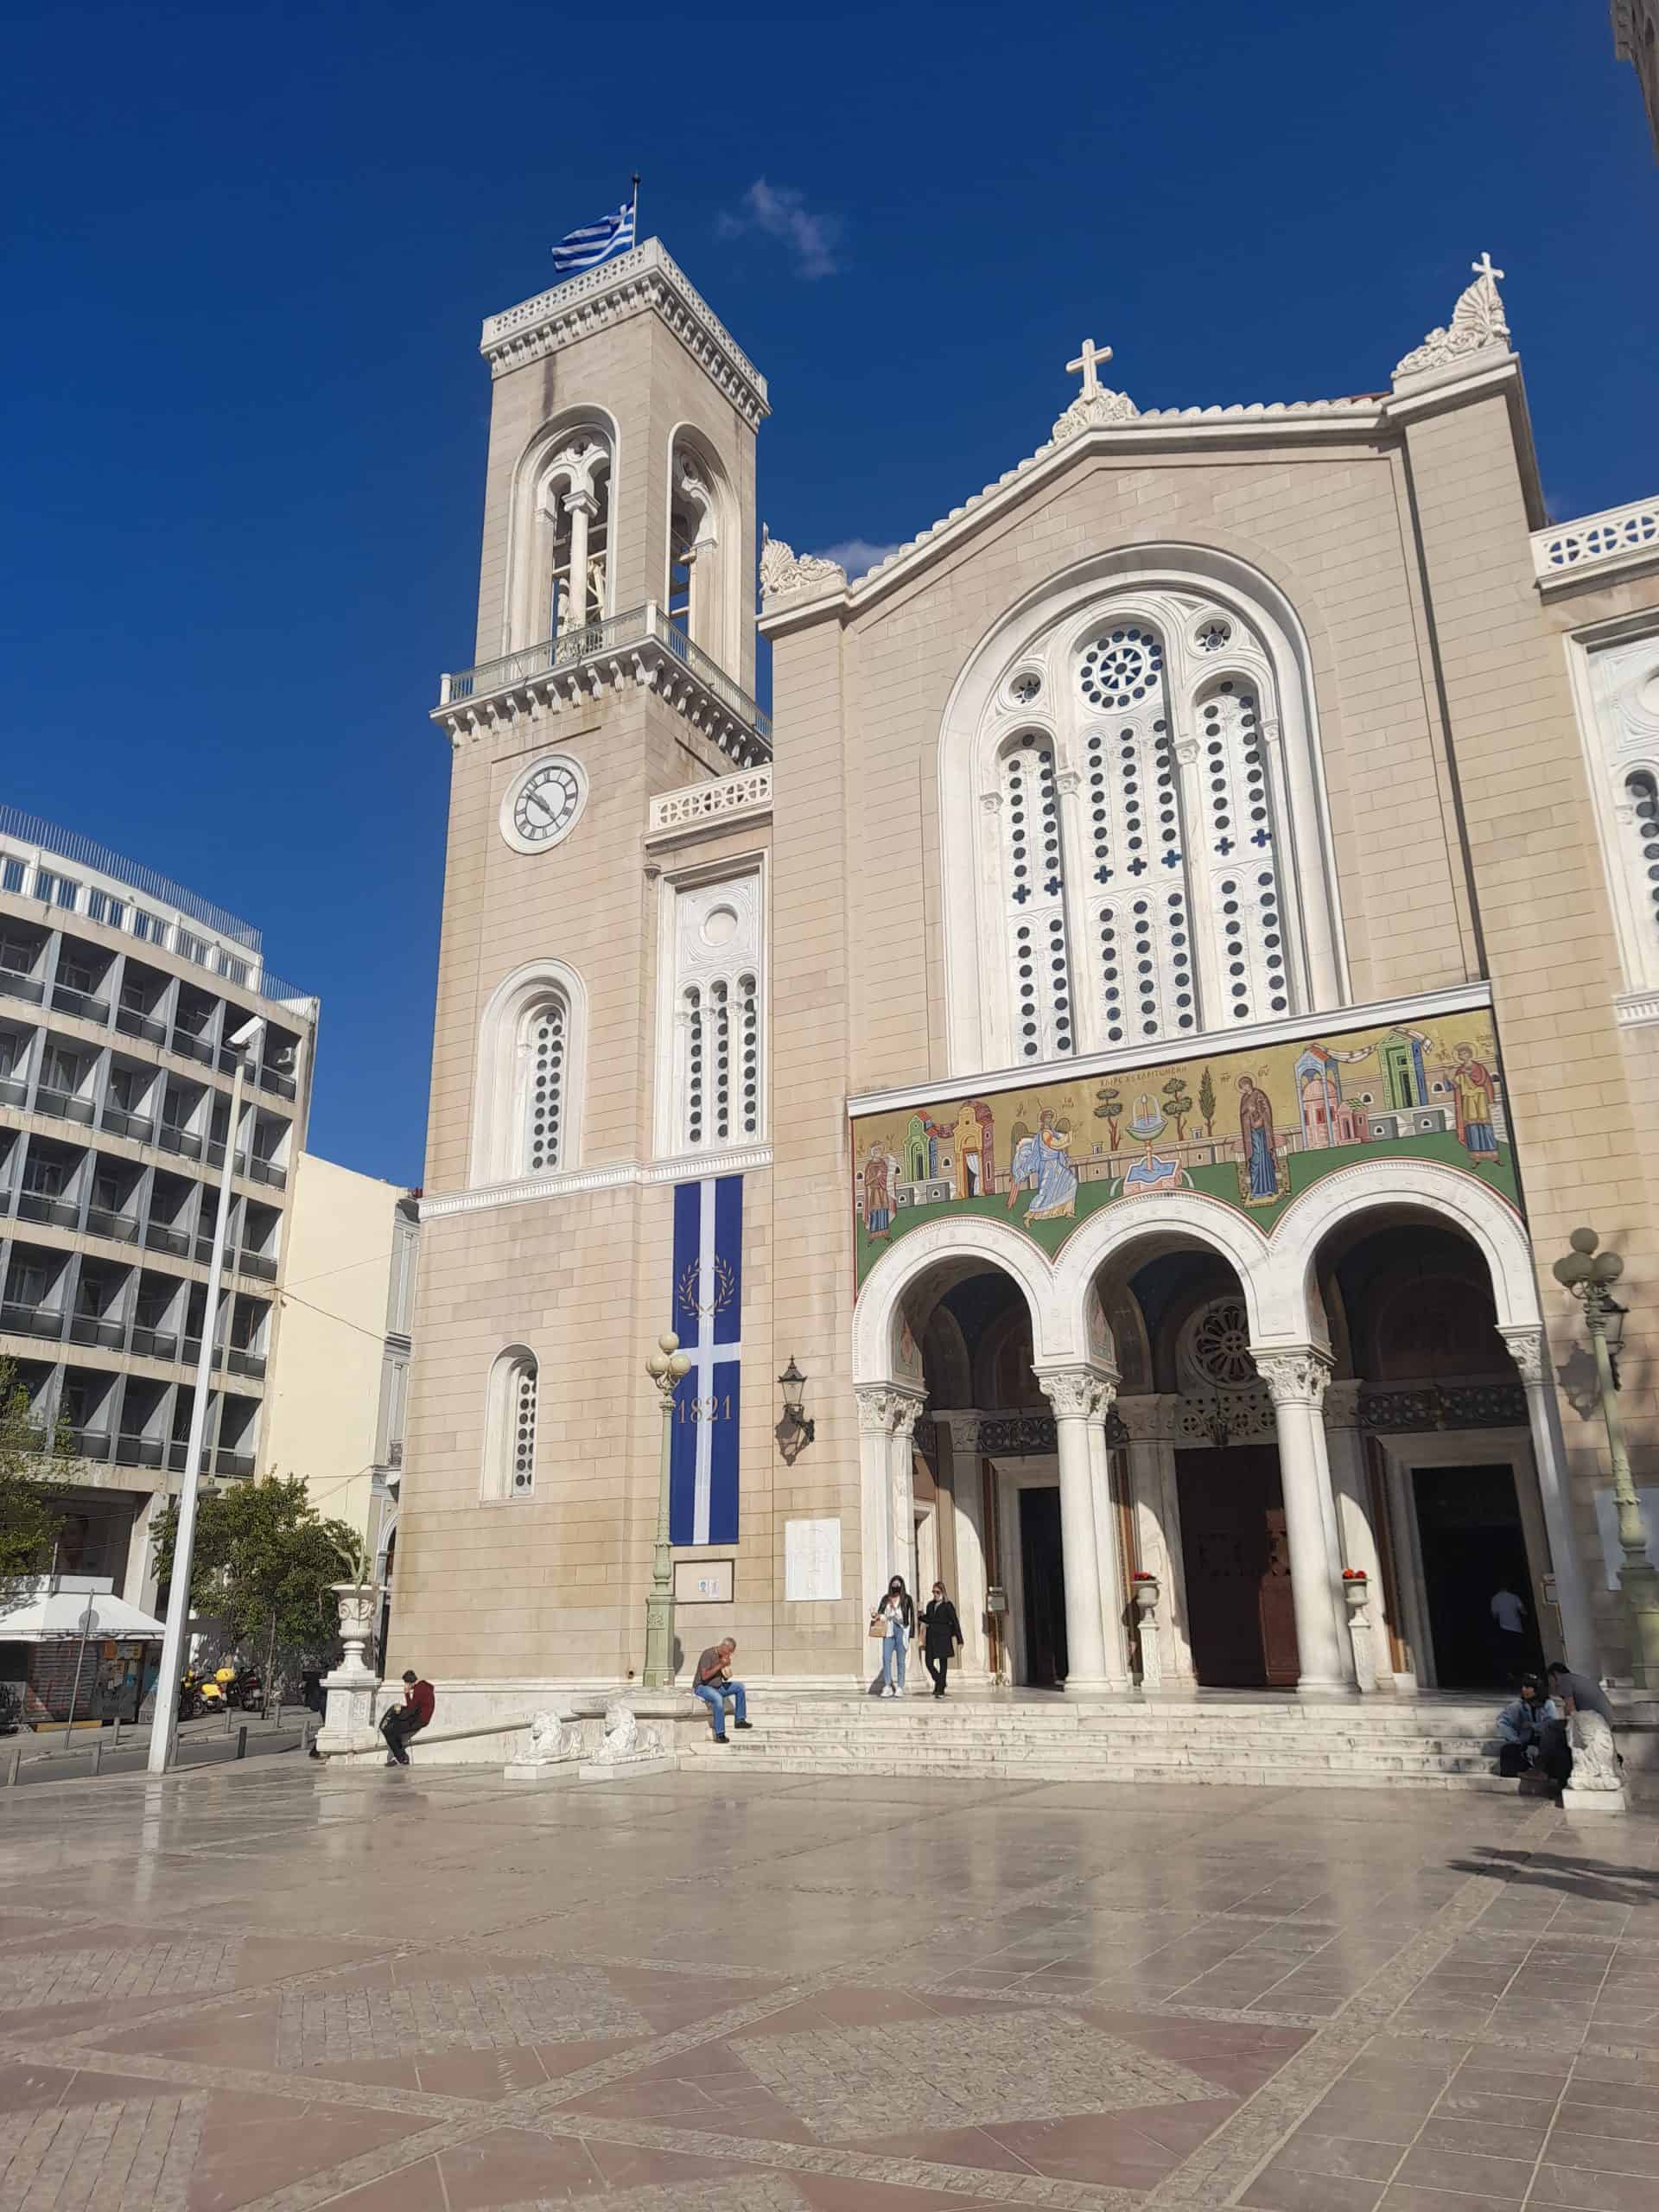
x: 1217, y: 1346
x: 542, y: 804
x: 1026, y: 688
x: 1212, y: 635
x: 719, y: 926
x: 1121, y: 668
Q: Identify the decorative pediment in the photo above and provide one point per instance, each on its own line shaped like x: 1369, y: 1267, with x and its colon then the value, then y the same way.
x: 1477, y: 323
x: 785, y: 574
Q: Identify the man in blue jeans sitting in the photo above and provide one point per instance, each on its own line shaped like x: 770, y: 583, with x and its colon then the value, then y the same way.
x: 712, y: 1682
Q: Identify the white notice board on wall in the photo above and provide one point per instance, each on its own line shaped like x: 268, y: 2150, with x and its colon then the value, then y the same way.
x: 811, y: 1561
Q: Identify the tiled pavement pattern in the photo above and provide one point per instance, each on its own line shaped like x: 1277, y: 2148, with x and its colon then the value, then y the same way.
x: 266, y: 1988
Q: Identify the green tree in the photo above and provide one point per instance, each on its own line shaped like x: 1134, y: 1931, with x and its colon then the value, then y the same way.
x: 1207, y: 1103
x: 28, y: 1455
x: 1178, y: 1106
x: 263, y: 1564
x: 1108, y: 1105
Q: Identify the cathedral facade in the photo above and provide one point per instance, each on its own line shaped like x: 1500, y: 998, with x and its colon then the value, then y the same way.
x: 1095, y: 1084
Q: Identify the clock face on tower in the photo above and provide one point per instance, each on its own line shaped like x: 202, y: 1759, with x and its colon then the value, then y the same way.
x: 542, y: 803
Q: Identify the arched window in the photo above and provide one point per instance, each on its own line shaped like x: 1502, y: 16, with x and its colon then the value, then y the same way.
x: 528, y: 1094
x: 701, y: 591
x: 1121, y: 776
x: 560, y: 557
x: 711, y: 1032
x: 1616, y: 686
x: 509, y: 1424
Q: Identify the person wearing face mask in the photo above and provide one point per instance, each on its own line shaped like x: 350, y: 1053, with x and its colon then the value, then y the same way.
x: 896, y: 1617
x: 941, y: 1636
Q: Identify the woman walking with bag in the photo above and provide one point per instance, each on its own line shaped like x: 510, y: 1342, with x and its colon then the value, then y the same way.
x: 894, y: 1620
x: 941, y: 1636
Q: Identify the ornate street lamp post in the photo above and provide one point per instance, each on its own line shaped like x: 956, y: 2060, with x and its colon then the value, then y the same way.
x: 1590, y: 1275
x: 665, y: 1367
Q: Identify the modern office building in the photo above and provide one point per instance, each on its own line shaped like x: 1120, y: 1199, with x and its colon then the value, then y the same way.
x: 119, y: 994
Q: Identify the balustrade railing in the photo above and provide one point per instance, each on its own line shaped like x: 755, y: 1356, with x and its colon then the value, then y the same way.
x: 1594, y: 541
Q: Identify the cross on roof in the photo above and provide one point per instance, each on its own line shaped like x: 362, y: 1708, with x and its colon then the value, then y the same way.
x: 1483, y: 267
x: 1086, y: 361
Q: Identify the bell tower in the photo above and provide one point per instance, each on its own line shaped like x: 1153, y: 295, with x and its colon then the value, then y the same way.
x: 600, y: 1029
x: 621, y: 464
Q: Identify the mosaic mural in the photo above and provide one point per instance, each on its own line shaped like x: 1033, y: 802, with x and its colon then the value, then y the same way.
x: 1251, y: 1128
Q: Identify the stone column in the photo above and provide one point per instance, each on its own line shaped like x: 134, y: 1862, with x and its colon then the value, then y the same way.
x: 580, y: 506
x: 1530, y: 1350
x: 1296, y: 1377
x: 973, y: 1577
x: 1108, y: 1555
x: 1357, y: 1539
x: 1080, y: 1397
x: 884, y: 1409
x: 1158, y: 1529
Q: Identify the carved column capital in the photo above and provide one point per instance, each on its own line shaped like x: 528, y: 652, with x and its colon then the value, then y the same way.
x: 1342, y: 1403
x: 884, y: 1409
x: 1146, y: 1419
x: 1077, y: 1393
x: 1070, y: 780
x: 962, y: 1426
x: 581, y: 502
x: 1527, y: 1350
x: 990, y: 802
x: 1295, y: 1375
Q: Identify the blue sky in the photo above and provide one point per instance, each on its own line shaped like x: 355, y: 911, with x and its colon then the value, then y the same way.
x: 249, y: 248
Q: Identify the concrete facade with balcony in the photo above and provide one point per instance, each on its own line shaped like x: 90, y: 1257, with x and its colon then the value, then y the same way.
x: 119, y: 992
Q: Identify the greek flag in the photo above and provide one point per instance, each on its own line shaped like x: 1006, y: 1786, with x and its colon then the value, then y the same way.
x: 595, y: 242
x: 708, y: 1319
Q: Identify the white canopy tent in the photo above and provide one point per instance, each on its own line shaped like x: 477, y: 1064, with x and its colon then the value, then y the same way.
x: 46, y: 1608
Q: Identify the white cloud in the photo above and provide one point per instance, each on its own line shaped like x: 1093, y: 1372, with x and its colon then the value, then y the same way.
x: 856, y: 555
x: 780, y: 212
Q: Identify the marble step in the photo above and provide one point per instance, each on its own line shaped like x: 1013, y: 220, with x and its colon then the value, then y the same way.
x: 1279, y: 1776
x: 1424, y: 1754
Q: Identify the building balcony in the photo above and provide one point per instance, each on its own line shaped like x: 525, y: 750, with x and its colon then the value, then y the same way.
x: 20, y: 1320
x: 155, y: 1344
x: 256, y: 1264
x: 97, y: 1329
x: 140, y: 1128
x: 241, y: 1361
x: 82, y: 1004
x: 119, y: 1228
x: 163, y: 1237
x: 12, y: 1092
x: 14, y: 986
x: 90, y: 1443
x: 1617, y: 538
x: 267, y: 1170
x: 132, y: 1022
x: 139, y: 1451
x: 642, y: 647
x: 66, y: 1106
x: 40, y: 1205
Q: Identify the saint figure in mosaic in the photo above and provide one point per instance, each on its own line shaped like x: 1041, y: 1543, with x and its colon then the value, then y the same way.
x: 1472, y: 1087
x: 1255, y: 1132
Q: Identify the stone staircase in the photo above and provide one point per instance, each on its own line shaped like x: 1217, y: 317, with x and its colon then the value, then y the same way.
x: 1371, y: 1743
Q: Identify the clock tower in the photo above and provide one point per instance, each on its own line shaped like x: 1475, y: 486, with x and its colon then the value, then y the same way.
x: 600, y: 1025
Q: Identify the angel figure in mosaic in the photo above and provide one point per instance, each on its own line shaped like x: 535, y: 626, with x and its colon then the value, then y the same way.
x: 1042, y: 1163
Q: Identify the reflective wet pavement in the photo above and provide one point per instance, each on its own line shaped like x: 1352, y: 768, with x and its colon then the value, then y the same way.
x: 270, y: 1987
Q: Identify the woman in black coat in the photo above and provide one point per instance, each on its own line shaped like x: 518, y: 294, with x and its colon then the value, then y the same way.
x: 941, y: 1636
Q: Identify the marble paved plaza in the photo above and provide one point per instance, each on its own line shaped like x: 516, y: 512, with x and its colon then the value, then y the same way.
x: 272, y: 1987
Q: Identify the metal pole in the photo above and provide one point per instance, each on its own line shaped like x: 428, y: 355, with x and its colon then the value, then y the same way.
x: 88, y: 1621
x: 13, y: 1770
x: 97, y: 1760
x: 164, y: 1727
x: 242, y: 1742
x: 1639, y: 1582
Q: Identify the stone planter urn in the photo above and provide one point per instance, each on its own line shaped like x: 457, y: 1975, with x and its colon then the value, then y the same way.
x: 1144, y: 1592
x: 348, y: 1721
x: 1356, y: 1591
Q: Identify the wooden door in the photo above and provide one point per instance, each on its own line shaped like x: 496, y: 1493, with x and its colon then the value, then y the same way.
x: 1237, y: 1570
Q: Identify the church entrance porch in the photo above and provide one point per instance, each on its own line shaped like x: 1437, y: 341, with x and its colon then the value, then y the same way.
x: 1236, y: 1565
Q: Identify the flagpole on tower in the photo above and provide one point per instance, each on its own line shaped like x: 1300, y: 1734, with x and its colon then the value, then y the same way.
x: 636, y: 207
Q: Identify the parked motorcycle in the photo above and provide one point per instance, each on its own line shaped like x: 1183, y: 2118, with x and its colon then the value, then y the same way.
x: 192, y: 1700
x: 247, y: 1690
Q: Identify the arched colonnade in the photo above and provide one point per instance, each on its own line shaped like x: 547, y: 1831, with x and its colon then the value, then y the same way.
x: 1076, y: 1362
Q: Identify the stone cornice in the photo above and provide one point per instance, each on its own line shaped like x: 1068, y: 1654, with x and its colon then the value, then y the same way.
x: 648, y: 280
x: 577, y: 1182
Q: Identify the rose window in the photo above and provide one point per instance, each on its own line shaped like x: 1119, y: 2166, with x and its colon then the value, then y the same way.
x: 1220, y: 1346
x: 1121, y: 668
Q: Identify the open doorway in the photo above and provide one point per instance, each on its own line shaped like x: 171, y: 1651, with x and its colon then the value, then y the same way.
x: 1472, y: 1544
x: 1043, y: 1574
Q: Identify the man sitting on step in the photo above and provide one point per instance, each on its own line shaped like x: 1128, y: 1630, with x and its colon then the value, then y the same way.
x: 712, y: 1682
